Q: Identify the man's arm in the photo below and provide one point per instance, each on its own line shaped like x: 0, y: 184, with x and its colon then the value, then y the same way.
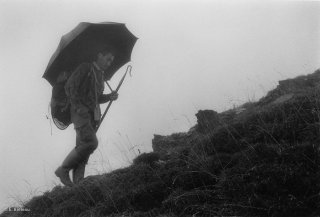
x: 108, y: 97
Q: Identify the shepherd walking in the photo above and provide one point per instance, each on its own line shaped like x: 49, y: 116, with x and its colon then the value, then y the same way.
x: 85, y: 113
x: 94, y: 52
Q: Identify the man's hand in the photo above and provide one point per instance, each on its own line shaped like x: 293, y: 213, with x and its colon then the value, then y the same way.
x: 113, y: 96
x: 108, y: 97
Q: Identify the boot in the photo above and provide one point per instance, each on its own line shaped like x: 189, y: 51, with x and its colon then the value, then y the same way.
x: 70, y: 162
x: 78, y: 173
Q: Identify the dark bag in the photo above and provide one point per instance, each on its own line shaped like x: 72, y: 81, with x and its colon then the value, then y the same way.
x: 60, y: 106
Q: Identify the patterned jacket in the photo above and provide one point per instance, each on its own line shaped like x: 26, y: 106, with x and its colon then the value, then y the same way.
x: 84, y: 90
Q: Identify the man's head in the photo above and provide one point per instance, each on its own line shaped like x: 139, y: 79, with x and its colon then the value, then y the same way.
x: 105, y: 57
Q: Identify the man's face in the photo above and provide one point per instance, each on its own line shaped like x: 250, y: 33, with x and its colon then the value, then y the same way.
x: 104, y: 61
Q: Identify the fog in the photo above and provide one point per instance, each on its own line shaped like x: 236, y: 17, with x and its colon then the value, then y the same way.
x: 190, y: 55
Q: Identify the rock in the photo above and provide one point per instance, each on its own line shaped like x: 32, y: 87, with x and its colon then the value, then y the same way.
x: 165, y: 145
x: 286, y: 89
x: 207, y: 120
x: 283, y: 98
x: 147, y: 158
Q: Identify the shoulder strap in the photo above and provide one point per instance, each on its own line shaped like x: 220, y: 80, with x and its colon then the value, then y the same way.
x: 95, y: 84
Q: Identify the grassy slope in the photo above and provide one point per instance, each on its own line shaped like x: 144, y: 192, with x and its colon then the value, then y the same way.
x: 261, y: 159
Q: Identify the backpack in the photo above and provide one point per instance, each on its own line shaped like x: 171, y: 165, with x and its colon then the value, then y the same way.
x: 60, y: 106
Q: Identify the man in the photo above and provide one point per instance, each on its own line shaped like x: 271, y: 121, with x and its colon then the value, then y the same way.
x: 85, y: 92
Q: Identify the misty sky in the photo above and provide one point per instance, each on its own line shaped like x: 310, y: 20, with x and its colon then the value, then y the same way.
x: 190, y: 55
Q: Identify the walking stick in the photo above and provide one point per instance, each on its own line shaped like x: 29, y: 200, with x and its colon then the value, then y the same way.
x: 129, y: 67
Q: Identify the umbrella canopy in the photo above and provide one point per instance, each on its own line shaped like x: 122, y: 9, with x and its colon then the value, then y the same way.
x: 83, y: 43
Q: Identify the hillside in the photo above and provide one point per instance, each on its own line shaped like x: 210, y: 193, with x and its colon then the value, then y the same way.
x: 259, y: 159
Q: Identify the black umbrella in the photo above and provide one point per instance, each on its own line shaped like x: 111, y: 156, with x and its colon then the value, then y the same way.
x: 84, y: 42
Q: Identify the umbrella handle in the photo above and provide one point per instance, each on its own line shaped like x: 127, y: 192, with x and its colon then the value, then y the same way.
x: 129, y: 67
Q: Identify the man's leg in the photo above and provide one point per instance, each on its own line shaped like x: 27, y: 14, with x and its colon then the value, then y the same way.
x: 86, y: 143
x: 70, y: 162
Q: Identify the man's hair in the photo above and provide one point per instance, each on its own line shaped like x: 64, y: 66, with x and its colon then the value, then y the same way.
x: 107, y: 49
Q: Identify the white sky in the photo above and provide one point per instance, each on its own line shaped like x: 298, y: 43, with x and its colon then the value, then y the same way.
x: 191, y: 55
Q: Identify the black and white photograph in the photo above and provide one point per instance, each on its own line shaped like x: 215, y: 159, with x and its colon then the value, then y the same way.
x: 159, y: 108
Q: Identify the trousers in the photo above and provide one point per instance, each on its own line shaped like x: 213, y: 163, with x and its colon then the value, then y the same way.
x: 86, y: 141
x: 86, y: 138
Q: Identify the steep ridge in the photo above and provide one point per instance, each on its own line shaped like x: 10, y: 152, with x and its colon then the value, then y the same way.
x: 259, y: 159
